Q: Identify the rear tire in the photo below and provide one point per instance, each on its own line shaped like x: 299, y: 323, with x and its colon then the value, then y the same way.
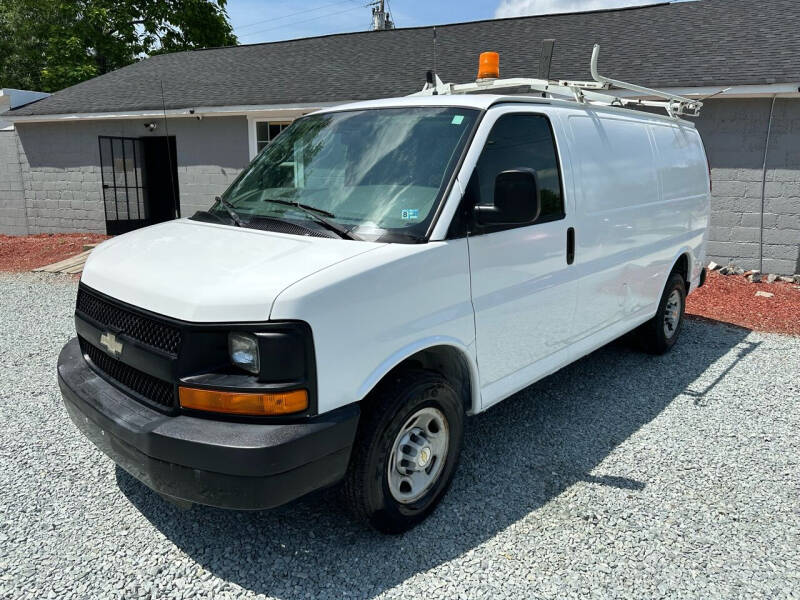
x: 406, y: 450
x: 660, y: 333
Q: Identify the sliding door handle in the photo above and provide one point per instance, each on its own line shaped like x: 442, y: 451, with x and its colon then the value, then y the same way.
x: 570, y: 245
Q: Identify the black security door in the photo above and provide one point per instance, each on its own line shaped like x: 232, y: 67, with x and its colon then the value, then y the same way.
x: 123, y: 185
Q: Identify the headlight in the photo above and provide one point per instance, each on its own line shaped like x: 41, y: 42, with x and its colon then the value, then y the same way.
x: 243, y: 350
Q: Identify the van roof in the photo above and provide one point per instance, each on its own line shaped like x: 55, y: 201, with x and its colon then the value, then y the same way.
x: 485, y: 101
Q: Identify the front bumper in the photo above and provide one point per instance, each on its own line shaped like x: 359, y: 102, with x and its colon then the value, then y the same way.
x: 217, y: 463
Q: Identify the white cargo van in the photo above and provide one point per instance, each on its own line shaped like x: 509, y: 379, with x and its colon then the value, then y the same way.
x: 379, y: 272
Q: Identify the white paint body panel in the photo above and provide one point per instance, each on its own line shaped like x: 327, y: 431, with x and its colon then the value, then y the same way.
x: 523, y: 291
x: 636, y: 191
x: 373, y: 311
x: 638, y: 207
x: 209, y: 273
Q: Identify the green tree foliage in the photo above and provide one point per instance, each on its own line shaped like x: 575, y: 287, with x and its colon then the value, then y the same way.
x: 51, y: 44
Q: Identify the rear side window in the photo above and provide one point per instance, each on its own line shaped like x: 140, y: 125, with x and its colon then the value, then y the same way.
x: 521, y: 141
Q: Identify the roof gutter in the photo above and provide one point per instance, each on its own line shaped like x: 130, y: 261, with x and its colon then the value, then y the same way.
x: 278, y: 111
x: 267, y: 110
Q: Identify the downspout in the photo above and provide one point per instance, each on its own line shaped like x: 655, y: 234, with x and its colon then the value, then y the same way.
x: 763, y: 188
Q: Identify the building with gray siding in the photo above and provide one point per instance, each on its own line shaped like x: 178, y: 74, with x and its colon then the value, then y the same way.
x: 162, y: 137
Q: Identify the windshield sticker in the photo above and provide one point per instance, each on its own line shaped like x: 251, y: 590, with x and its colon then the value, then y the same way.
x: 457, y: 120
x: 409, y: 214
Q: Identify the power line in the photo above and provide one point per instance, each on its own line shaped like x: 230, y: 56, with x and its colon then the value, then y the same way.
x: 299, y: 12
x: 302, y: 21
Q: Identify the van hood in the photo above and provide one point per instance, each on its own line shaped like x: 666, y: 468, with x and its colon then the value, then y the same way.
x: 204, y: 272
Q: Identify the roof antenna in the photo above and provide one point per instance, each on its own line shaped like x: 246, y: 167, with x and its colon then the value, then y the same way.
x: 718, y: 92
x: 174, y: 195
x: 435, y: 77
x: 545, y: 58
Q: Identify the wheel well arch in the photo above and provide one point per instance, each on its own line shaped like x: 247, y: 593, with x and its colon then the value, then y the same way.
x: 681, y: 266
x: 450, y: 361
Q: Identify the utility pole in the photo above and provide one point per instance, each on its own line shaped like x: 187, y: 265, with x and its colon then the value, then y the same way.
x: 380, y: 18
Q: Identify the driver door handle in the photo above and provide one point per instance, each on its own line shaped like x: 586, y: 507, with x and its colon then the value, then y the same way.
x: 570, y: 245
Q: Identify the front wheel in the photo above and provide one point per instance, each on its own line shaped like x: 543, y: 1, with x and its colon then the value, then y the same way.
x: 660, y: 333
x: 406, y: 452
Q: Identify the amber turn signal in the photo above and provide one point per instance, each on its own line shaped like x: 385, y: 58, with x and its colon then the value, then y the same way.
x: 489, y: 65
x: 240, y: 403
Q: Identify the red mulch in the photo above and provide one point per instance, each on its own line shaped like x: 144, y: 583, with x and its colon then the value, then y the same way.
x: 732, y: 299
x: 26, y: 252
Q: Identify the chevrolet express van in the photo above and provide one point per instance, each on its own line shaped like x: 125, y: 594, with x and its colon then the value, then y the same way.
x: 379, y: 272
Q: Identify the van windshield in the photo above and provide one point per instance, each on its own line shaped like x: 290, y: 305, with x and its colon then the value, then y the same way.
x: 375, y: 174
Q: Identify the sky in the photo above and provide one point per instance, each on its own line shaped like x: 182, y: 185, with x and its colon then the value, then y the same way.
x: 257, y: 21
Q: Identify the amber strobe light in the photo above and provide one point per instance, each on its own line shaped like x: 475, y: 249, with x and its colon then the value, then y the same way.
x: 239, y: 403
x: 489, y: 65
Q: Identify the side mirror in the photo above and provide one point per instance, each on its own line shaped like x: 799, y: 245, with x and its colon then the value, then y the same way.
x: 516, y: 199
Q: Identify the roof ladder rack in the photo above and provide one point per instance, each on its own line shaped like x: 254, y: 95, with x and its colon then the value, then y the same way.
x: 597, y: 92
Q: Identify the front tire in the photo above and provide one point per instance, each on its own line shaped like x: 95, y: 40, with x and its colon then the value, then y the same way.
x: 406, y: 450
x: 660, y: 333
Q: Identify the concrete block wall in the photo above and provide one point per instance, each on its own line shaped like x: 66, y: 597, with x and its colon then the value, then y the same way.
x: 62, y: 181
x: 63, y: 189
x: 211, y: 154
x: 13, y: 220
x: 735, y: 134
x: 59, y: 201
x: 199, y: 185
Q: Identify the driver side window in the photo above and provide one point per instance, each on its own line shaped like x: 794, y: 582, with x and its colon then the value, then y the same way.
x: 519, y: 141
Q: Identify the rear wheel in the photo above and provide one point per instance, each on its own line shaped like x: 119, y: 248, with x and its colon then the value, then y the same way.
x: 406, y: 452
x: 660, y: 333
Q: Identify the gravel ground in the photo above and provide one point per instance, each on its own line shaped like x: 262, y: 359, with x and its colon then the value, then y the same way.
x: 622, y: 475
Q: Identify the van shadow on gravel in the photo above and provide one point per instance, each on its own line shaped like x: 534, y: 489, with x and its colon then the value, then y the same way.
x: 517, y: 456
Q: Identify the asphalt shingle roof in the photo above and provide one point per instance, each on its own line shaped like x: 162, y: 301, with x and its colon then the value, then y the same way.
x: 700, y: 43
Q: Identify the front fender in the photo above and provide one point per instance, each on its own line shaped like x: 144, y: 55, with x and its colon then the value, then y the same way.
x: 467, y: 353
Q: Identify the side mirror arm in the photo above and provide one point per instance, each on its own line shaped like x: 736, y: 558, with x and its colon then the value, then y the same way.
x: 484, y: 213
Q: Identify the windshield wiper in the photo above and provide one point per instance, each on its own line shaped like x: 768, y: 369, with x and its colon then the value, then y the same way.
x: 231, y: 211
x: 316, y: 216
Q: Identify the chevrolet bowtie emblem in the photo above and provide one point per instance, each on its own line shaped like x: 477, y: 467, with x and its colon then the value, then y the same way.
x: 109, y: 341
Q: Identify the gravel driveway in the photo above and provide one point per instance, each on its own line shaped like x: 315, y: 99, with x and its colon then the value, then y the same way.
x: 622, y: 475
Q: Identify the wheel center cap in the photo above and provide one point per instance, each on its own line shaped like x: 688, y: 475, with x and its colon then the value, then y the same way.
x: 424, y: 456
